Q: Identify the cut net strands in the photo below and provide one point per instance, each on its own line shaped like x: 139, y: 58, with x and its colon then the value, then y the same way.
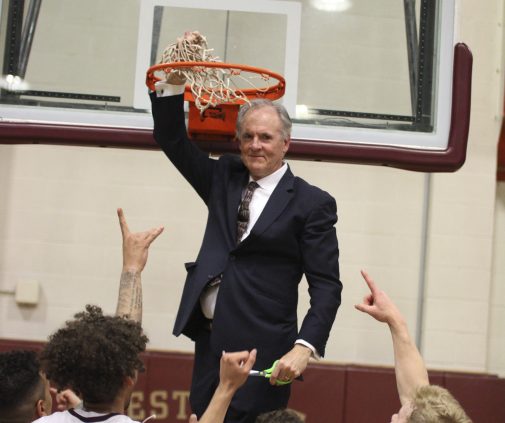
x: 210, y: 86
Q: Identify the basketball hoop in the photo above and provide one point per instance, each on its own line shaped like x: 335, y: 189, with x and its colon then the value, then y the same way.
x: 215, y: 92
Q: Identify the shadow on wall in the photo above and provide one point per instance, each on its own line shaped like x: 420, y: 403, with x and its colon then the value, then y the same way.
x: 6, y: 156
x: 500, y: 194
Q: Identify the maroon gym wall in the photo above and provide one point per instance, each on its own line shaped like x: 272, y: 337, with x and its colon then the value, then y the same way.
x: 330, y: 393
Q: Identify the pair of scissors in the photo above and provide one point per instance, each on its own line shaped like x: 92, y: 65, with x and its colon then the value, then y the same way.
x: 267, y: 373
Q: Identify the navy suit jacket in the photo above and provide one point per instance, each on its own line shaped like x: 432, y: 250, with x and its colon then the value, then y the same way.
x: 257, y: 301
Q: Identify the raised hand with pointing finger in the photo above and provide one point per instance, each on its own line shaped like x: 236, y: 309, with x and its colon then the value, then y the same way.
x: 420, y: 400
x: 377, y: 303
x: 410, y: 369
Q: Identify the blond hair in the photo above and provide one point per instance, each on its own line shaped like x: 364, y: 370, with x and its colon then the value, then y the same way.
x: 434, y: 404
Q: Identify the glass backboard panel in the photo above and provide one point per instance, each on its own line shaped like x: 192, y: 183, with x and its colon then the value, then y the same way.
x: 357, y: 71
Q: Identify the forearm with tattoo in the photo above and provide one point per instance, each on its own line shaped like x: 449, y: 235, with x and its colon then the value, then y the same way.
x: 129, y: 301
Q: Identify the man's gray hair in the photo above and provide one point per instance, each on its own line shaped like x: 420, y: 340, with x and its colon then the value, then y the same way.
x: 259, y: 103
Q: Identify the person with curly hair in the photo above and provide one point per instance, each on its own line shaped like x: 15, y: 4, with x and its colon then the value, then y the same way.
x: 421, y: 402
x: 97, y: 356
x: 24, y: 390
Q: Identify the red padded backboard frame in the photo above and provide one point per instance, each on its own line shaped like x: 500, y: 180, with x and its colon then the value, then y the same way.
x: 425, y: 160
x: 500, y: 171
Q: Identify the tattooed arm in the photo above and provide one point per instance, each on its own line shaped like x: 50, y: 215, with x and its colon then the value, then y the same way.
x: 135, y: 249
x: 129, y: 301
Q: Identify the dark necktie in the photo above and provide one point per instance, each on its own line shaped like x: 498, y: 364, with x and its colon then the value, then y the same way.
x: 243, y: 210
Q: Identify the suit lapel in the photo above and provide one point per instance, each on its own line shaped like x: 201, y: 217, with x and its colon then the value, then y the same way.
x: 281, y: 196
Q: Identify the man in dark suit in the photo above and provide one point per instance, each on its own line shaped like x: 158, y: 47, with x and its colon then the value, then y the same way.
x: 242, y: 290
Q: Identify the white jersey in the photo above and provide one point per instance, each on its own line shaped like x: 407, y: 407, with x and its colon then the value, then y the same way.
x: 81, y: 416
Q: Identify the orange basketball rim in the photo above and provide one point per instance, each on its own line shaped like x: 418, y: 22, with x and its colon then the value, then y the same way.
x: 213, y: 112
x: 271, y: 92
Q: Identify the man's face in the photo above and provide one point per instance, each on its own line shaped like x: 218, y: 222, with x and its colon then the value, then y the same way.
x: 262, y: 145
x: 403, y: 414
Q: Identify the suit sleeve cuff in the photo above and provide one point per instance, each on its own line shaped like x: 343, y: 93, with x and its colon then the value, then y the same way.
x: 166, y: 90
x: 315, y: 354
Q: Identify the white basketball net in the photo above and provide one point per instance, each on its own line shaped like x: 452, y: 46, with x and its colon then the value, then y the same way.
x: 210, y: 86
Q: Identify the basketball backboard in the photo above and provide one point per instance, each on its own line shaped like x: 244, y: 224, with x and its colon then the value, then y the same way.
x: 378, y: 82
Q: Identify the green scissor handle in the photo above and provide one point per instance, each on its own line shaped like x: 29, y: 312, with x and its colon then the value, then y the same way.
x: 268, y: 373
